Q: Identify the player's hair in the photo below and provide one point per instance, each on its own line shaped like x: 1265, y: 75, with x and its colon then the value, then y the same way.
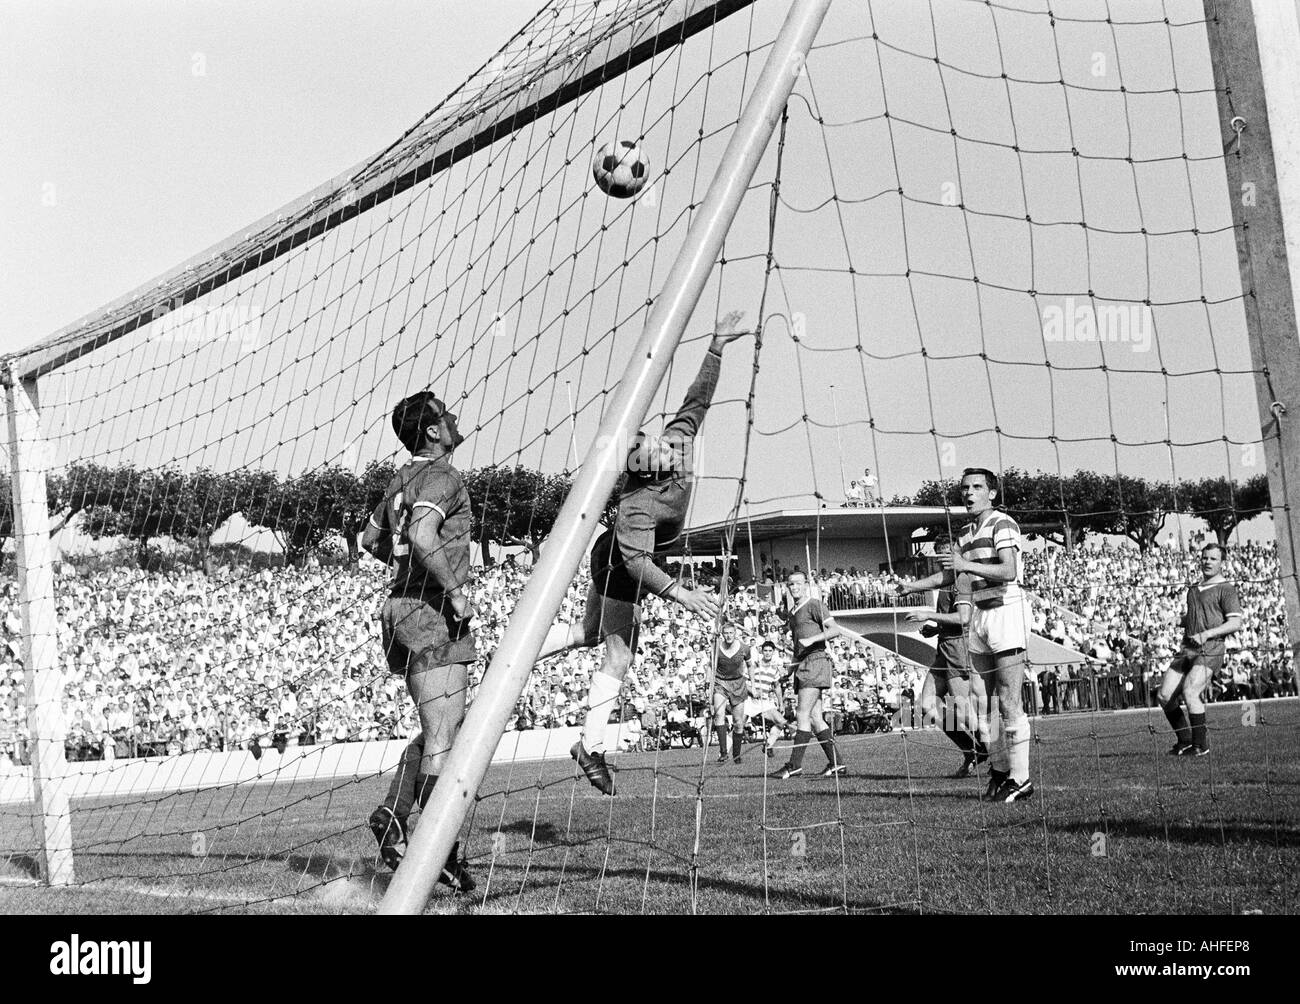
x: 791, y: 575
x: 990, y: 478
x: 768, y: 644
x: 413, y: 416
x: 1215, y: 546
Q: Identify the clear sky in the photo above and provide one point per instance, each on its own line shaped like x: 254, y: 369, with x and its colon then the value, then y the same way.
x: 136, y: 134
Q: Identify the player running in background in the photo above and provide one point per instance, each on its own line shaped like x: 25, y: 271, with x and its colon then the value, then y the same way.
x: 651, y: 511
x: 989, y: 551
x: 1213, y: 612
x: 730, y: 690
x: 423, y: 528
x: 950, y: 682
x: 764, y: 698
x: 811, y: 626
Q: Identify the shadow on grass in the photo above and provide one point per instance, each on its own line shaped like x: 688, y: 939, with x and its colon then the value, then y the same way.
x: 1209, y: 833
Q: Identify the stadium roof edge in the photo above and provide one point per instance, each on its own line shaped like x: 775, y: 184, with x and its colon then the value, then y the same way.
x: 508, y: 99
x: 853, y: 523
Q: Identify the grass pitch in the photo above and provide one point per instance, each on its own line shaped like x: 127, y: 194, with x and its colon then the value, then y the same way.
x: 1116, y: 826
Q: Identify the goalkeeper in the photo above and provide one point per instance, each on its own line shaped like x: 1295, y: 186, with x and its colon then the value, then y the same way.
x: 651, y: 510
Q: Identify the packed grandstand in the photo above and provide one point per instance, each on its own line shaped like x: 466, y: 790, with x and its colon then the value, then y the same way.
x: 172, y: 661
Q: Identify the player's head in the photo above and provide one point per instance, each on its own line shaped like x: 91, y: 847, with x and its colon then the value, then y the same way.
x: 653, y: 457
x: 942, y: 543
x: 798, y: 584
x: 728, y: 632
x: 980, y: 490
x: 769, y: 651
x: 1212, y: 556
x: 422, y: 421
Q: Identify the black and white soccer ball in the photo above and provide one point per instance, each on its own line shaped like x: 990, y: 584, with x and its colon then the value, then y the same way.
x: 620, y: 168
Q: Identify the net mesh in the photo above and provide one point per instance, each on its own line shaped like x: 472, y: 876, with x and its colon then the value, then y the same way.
x: 985, y: 234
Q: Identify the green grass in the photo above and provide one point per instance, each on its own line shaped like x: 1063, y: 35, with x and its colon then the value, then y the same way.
x: 1213, y: 835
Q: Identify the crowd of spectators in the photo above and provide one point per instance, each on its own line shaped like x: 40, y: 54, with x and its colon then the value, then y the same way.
x: 168, y: 662
x: 1124, y: 609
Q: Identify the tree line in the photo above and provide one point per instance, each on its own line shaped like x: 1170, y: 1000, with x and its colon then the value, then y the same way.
x: 517, y: 506
x: 1066, y: 509
x: 510, y: 506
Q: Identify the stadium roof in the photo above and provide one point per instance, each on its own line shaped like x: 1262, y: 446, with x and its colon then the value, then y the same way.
x: 841, y: 523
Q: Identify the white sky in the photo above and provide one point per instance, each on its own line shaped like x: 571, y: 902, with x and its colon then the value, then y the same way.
x: 136, y: 134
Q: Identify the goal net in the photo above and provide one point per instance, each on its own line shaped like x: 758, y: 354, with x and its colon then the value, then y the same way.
x: 990, y: 235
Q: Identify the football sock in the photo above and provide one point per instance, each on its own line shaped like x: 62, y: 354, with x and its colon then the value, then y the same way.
x: 827, y: 742
x: 1200, y: 734
x: 801, y: 741
x: 1018, y: 734
x: 737, y: 742
x: 600, y: 702
x: 721, y: 732
x: 773, y: 734
x: 962, y: 740
x: 999, y: 755
x: 424, y: 787
x: 1174, y: 712
x: 401, y: 792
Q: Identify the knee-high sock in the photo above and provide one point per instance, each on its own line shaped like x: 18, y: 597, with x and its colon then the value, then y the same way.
x: 600, y: 702
x: 721, y: 732
x: 827, y: 742
x: 801, y: 741
x: 773, y: 734
x: 1200, y: 734
x: 401, y: 792
x: 999, y: 754
x: 1174, y: 712
x: 1018, y: 734
x: 737, y: 741
x: 962, y: 740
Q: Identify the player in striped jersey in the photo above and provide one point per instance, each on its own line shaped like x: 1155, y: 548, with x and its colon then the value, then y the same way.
x: 764, y: 702
x: 989, y: 552
x: 1213, y: 613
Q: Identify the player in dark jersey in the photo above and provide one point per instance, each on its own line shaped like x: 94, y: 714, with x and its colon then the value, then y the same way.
x: 730, y: 690
x: 422, y: 528
x: 1213, y: 613
x: 811, y: 626
x: 950, y: 681
x: 651, y: 511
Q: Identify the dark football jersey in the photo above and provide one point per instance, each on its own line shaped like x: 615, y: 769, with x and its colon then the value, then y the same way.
x: 732, y: 667
x: 421, y: 484
x: 1209, y: 607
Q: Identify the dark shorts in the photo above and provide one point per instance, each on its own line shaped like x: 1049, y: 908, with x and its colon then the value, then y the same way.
x: 951, y: 662
x: 606, y: 615
x: 1188, y: 657
x: 609, y: 577
x: 735, y: 691
x: 417, y: 635
x: 814, y: 671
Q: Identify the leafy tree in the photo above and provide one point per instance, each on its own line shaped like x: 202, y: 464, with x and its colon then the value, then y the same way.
x: 1141, y: 507
x: 1223, y: 503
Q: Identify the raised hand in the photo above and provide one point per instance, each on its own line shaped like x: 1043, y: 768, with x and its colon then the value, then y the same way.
x: 728, y: 329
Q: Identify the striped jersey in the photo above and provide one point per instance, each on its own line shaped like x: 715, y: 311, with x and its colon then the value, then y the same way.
x: 980, y: 542
x: 763, y: 675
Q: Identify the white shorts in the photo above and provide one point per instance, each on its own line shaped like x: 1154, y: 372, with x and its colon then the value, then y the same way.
x: 999, y: 629
x: 754, y: 708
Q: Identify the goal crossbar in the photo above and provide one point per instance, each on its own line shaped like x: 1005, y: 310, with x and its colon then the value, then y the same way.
x: 510, y: 97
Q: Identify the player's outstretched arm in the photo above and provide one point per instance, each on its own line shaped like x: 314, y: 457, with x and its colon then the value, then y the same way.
x: 690, y: 416
x: 936, y: 581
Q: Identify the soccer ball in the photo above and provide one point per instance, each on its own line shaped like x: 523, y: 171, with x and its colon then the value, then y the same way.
x: 620, y: 169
